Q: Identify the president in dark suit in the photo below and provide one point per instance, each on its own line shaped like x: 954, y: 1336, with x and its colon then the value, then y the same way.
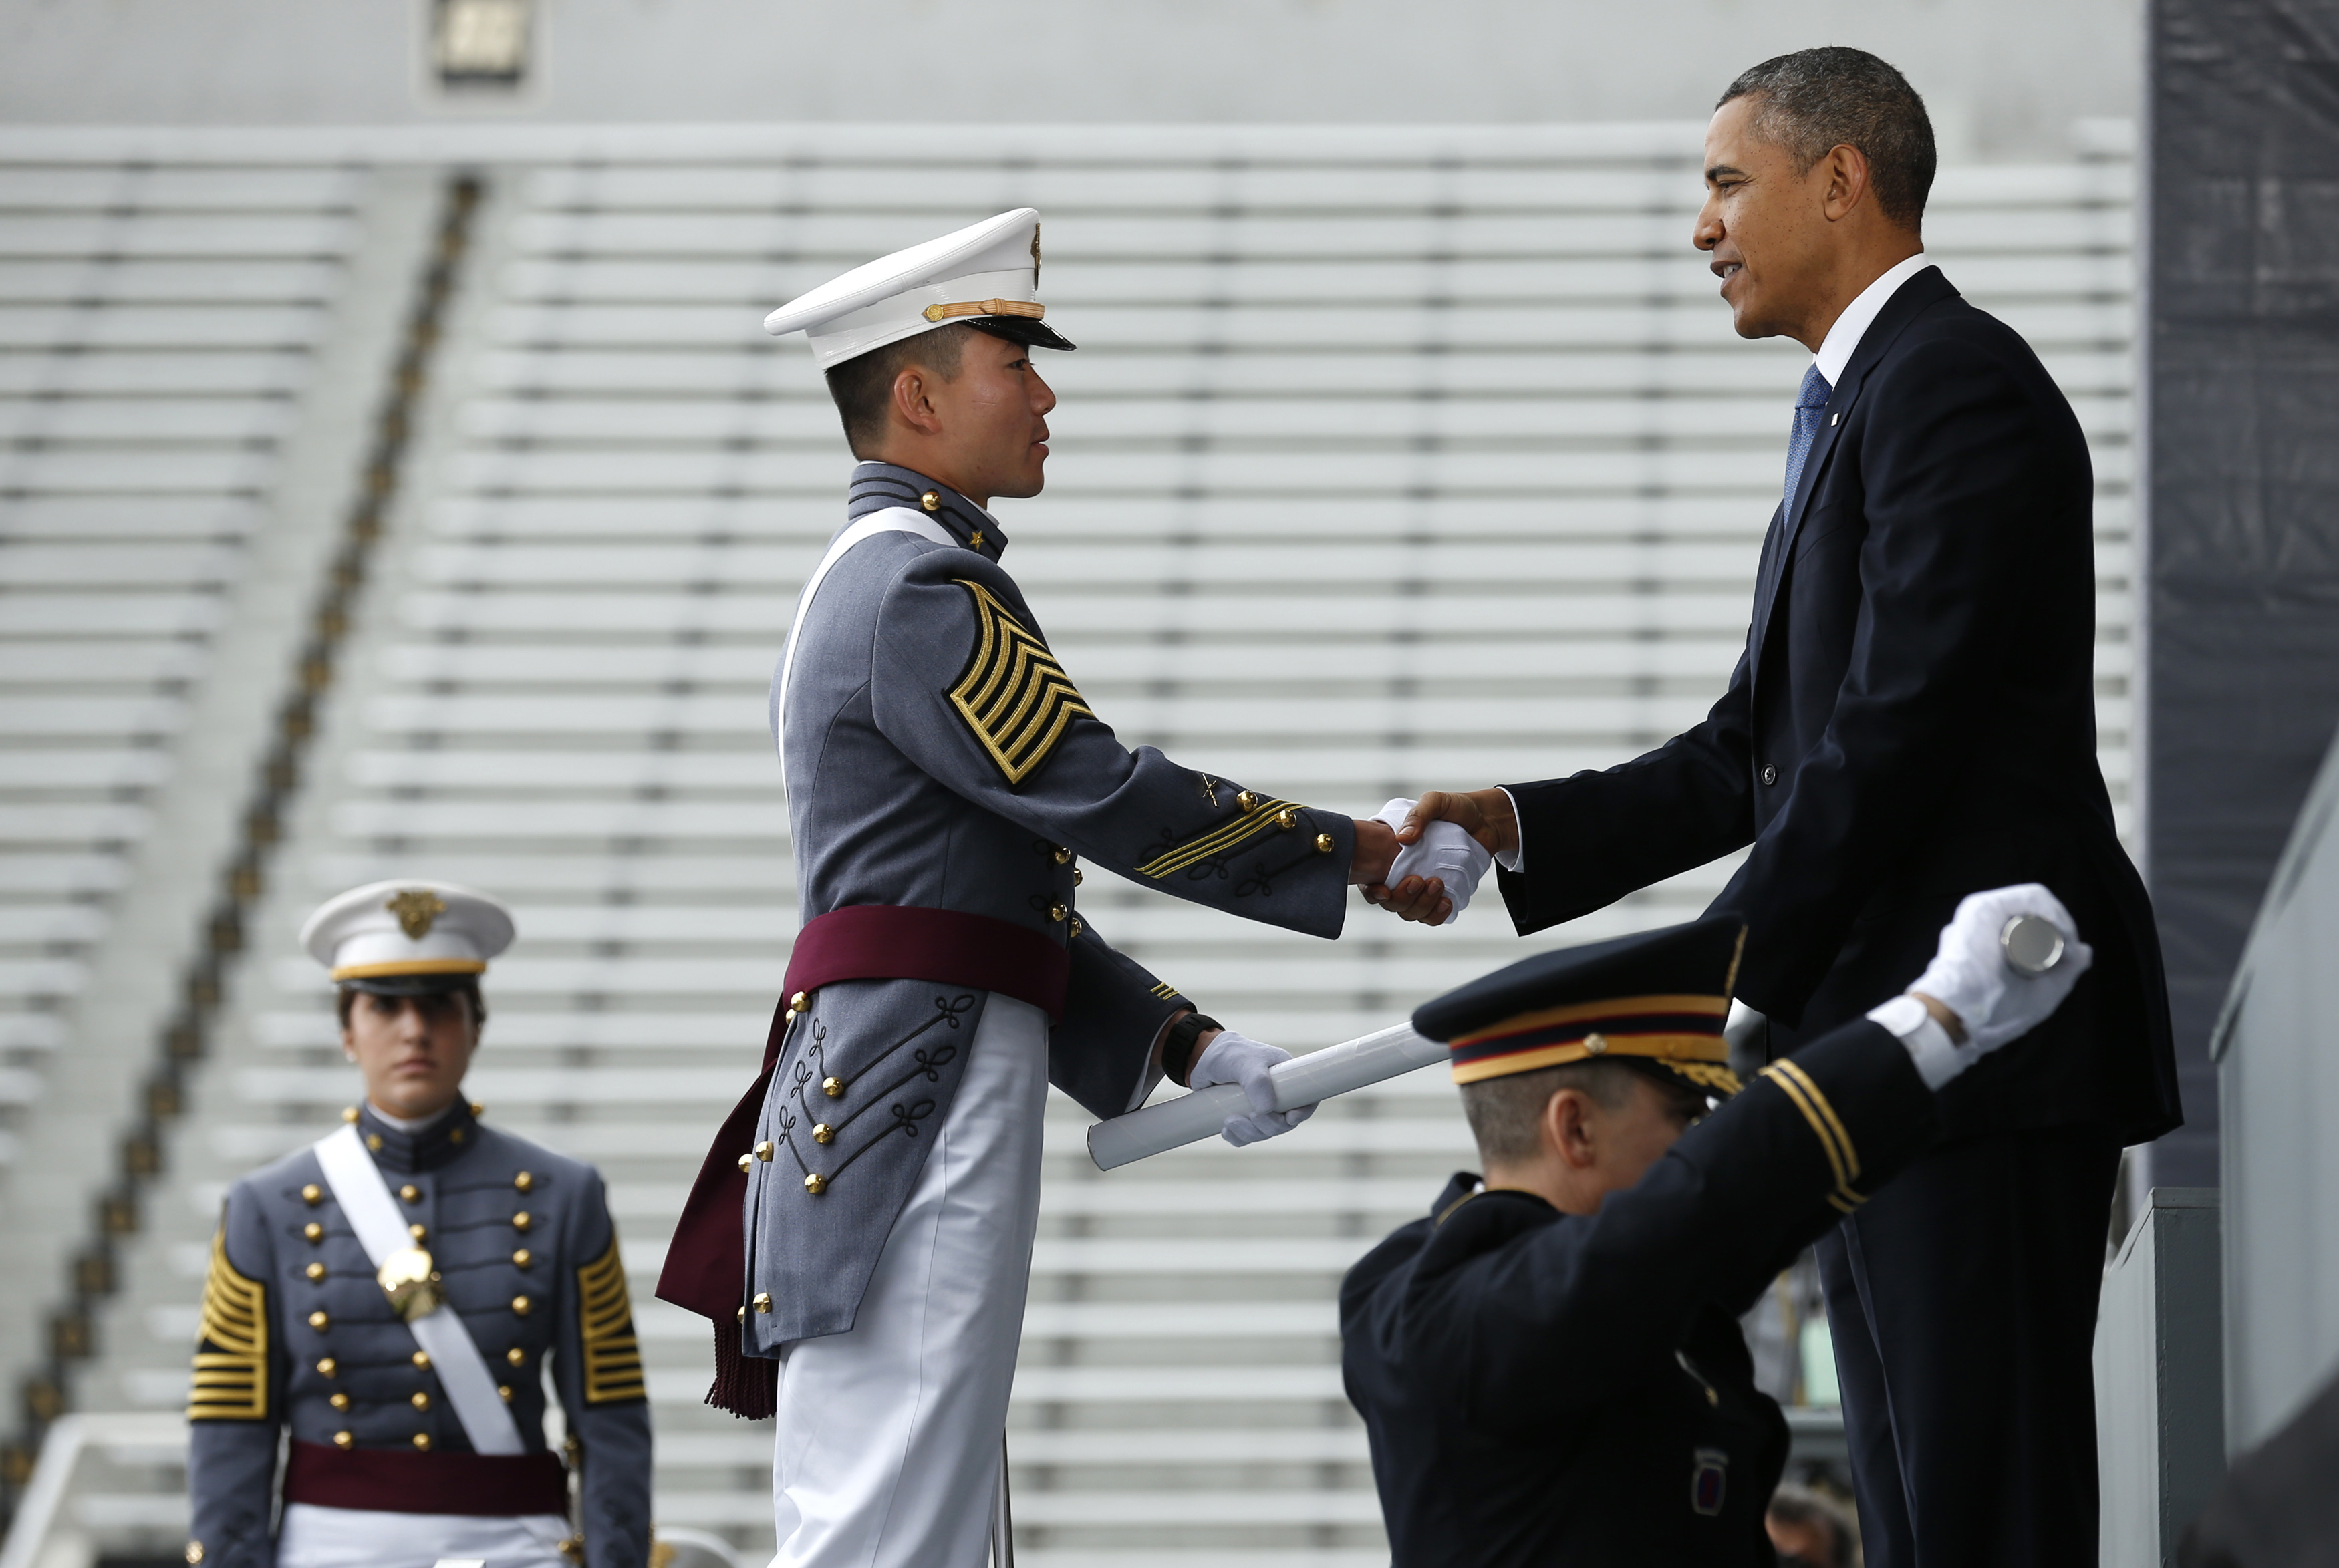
x: 1913, y: 716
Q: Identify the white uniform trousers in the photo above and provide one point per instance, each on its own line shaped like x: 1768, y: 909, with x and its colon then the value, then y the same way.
x: 313, y: 1536
x: 888, y: 1449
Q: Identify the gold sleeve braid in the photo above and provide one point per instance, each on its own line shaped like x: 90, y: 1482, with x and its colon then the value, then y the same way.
x: 1835, y: 1142
x: 605, y: 1315
x: 232, y: 1358
x: 1247, y: 823
x: 1013, y: 695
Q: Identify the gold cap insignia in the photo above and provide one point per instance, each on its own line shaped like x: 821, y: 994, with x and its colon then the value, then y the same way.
x: 416, y: 909
x: 1035, y: 255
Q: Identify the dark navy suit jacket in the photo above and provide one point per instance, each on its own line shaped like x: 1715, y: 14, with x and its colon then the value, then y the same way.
x: 1913, y: 720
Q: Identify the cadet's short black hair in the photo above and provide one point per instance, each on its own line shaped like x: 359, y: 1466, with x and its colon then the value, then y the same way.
x: 864, y: 385
x: 1506, y: 1114
x: 1816, y: 100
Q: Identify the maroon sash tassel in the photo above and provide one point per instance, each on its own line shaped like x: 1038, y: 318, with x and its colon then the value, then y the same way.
x: 747, y: 1385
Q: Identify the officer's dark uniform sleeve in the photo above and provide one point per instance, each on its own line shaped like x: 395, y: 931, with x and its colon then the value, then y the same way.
x: 598, y: 1372
x: 967, y: 688
x: 1730, y: 1204
x: 236, y: 1405
x: 1099, y: 1052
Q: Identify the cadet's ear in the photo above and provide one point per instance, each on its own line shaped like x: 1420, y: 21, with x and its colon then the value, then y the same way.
x: 912, y: 402
x: 1567, y: 1129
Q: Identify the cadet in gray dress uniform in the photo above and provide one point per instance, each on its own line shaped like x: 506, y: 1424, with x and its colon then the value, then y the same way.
x: 412, y: 1382
x: 866, y: 1219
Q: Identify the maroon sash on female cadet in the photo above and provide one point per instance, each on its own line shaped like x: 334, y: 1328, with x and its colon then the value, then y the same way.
x: 706, y: 1264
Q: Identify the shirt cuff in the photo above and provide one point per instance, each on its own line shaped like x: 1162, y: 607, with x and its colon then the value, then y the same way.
x: 1514, y: 860
x: 1928, y: 1045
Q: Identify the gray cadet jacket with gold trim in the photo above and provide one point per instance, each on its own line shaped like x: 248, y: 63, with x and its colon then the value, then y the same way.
x: 523, y: 1239
x: 938, y: 755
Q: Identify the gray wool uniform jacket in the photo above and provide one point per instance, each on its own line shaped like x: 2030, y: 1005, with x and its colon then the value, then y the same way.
x: 297, y: 1334
x: 937, y: 755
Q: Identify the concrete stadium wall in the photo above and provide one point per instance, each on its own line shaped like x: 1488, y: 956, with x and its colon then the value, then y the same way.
x: 2005, y: 79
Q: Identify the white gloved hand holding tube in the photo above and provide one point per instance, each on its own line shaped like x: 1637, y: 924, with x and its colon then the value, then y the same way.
x: 1237, y: 1059
x: 1991, y: 1001
x: 1444, y: 850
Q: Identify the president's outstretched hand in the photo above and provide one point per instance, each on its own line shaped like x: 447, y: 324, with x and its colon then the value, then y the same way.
x: 1485, y: 814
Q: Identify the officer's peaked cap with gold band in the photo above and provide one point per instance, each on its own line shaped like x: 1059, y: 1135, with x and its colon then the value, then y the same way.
x: 1656, y: 1001
x: 985, y: 275
x: 407, y: 938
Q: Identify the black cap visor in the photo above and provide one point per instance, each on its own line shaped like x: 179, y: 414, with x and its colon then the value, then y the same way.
x: 1024, y: 330
x: 412, y: 984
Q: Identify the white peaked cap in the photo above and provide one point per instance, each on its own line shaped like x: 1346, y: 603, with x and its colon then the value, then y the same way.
x: 985, y: 275
x: 407, y: 930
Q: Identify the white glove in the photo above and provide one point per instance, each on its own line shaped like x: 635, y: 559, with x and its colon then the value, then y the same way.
x: 1996, y: 1003
x: 1234, y: 1058
x: 1444, y: 851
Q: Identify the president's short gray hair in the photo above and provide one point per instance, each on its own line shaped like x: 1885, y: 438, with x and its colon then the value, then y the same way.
x: 1816, y: 100
x: 1506, y: 1114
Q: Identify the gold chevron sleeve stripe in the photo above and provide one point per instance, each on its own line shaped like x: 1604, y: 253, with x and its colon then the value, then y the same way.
x: 605, y: 1315
x: 231, y: 1359
x: 1225, y: 836
x: 1794, y: 1092
x: 1013, y: 695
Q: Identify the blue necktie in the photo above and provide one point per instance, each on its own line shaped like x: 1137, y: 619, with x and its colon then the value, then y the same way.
x: 1809, y: 406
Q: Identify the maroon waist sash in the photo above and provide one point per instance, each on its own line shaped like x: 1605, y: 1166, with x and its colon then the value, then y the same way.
x: 706, y: 1264
x: 406, y: 1481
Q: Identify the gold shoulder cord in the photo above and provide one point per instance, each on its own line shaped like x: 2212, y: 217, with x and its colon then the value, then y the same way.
x: 1013, y: 695
x: 231, y: 1359
x: 605, y: 1317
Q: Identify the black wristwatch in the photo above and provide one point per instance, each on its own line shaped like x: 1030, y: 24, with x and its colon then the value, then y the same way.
x: 1178, y: 1050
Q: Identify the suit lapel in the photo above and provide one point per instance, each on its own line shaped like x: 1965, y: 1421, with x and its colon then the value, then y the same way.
x: 1926, y: 288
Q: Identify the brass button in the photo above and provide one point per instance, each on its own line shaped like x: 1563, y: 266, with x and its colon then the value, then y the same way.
x: 412, y: 1193
x: 343, y: 1440
x: 422, y: 1361
x: 524, y: 1181
x: 800, y: 1002
x: 763, y: 1149
x: 822, y: 1132
x: 321, y: 1321
x: 478, y: 1110
x: 1063, y: 855
x: 1077, y: 926
x: 421, y: 1401
x: 422, y: 1441
x: 743, y: 1317
x: 419, y: 1232
x: 1596, y: 1044
x: 503, y: 1390
x: 312, y: 1195
x: 816, y: 1184
x: 1247, y: 800
x: 348, y: 1113
x: 515, y: 1357
x: 931, y: 500
x: 328, y: 1367
x: 763, y: 1301
x: 194, y: 1553
x: 1058, y: 912
x: 832, y: 1087
x: 1770, y: 775
x: 373, y: 1141
x: 519, y: 1307
x: 456, y: 1136
x: 522, y: 1220
x: 1326, y: 843
x: 522, y: 1257
x: 340, y: 1401
x: 1076, y: 876
x: 1286, y: 819
x: 315, y: 1271
x: 313, y: 1231
x: 746, y: 1163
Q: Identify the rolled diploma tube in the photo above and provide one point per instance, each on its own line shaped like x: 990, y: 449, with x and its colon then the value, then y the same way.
x: 1353, y: 1064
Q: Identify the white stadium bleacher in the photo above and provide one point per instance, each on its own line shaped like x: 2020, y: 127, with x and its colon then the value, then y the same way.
x: 1388, y: 460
